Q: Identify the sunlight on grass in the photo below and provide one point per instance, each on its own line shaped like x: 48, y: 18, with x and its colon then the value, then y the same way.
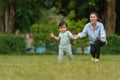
x: 46, y: 67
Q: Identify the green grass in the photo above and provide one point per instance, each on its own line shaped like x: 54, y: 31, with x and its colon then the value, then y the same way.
x: 46, y: 67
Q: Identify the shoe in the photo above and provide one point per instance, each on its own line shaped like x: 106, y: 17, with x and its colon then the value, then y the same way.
x: 93, y: 59
x: 97, y: 60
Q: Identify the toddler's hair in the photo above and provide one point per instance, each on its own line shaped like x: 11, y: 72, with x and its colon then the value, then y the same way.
x: 62, y: 23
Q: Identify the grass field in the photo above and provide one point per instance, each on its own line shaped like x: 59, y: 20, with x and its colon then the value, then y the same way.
x: 46, y: 67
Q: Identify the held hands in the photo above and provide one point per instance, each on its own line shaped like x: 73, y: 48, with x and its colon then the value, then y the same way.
x: 75, y: 37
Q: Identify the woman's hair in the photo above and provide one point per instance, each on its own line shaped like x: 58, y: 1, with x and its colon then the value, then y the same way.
x: 62, y: 23
x: 96, y: 15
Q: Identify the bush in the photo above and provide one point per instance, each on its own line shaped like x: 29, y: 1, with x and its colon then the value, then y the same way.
x: 11, y: 44
x: 41, y: 32
x: 113, y: 46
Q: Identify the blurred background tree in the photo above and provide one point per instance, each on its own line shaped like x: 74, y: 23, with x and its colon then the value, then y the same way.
x: 16, y: 14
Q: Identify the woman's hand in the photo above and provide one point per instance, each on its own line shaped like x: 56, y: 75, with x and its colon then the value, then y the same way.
x: 103, y: 39
x: 75, y: 36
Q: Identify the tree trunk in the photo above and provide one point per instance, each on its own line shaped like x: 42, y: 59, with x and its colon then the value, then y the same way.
x: 9, y: 18
x: 110, y: 16
x: 117, y: 30
x: 1, y: 21
x: 6, y: 19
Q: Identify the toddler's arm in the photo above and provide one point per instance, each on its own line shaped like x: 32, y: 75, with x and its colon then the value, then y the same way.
x: 55, y: 37
x: 72, y: 37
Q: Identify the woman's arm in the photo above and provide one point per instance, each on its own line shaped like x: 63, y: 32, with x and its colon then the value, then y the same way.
x: 102, y: 33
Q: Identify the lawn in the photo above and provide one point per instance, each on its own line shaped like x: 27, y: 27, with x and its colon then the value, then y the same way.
x: 46, y: 67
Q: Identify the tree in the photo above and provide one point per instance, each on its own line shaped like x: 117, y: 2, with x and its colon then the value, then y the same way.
x: 117, y: 30
x: 9, y: 17
x: 7, y: 12
x: 1, y: 21
x: 13, y: 9
x: 106, y: 9
x: 22, y: 14
x: 110, y: 17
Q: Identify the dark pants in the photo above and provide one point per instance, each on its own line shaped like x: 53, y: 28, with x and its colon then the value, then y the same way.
x: 95, y: 48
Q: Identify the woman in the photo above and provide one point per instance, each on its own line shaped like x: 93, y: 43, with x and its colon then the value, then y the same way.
x: 96, y: 33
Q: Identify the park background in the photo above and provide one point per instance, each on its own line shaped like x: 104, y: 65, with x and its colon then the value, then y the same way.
x: 40, y: 18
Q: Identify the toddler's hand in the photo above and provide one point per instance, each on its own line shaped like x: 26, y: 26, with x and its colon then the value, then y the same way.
x: 75, y: 36
x: 72, y: 37
x: 52, y: 35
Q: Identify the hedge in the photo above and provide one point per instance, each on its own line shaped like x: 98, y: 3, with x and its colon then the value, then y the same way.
x: 113, y: 45
x: 11, y: 44
x: 15, y: 44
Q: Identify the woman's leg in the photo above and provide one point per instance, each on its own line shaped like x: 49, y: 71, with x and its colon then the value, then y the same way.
x: 98, y: 44
x: 92, y: 50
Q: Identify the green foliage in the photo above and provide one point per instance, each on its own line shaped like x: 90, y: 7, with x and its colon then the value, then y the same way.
x: 76, y: 26
x: 113, y: 46
x: 81, y: 8
x: 24, y: 20
x: 42, y: 31
x: 28, y: 12
x: 11, y: 44
x: 71, y: 14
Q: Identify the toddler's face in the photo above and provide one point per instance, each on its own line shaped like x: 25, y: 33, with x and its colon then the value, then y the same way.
x: 63, y: 28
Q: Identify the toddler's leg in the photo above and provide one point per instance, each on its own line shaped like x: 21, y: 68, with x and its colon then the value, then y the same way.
x: 60, y: 55
x: 69, y: 53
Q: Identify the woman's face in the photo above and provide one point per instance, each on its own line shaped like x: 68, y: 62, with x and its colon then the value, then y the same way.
x: 93, y: 18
